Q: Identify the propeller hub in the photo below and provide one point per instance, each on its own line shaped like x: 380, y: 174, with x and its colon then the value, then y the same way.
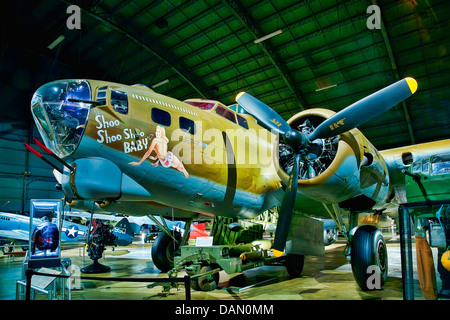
x: 295, y: 139
x: 315, y: 150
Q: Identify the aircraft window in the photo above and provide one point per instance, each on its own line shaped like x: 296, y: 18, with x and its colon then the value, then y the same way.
x: 225, y: 113
x: 237, y: 108
x: 187, y: 125
x: 242, y: 121
x: 407, y: 158
x: 425, y: 165
x: 119, y: 101
x: 101, y: 95
x: 416, y: 166
x: 440, y: 164
x: 41, y: 115
x: 201, y: 105
x: 161, y: 117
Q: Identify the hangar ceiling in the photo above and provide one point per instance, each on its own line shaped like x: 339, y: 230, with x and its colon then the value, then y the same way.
x: 325, y: 55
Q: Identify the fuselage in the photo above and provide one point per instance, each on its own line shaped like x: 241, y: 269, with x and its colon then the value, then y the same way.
x: 134, y: 148
x: 228, y: 157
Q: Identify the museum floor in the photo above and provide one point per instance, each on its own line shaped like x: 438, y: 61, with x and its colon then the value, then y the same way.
x: 323, y: 278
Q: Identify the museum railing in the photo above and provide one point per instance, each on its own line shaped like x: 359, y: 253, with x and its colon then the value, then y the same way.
x: 186, y: 280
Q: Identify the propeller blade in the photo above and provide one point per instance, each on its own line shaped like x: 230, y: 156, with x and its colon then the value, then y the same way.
x: 365, y: 109
x: 287, y: 206
x: 263, y: 113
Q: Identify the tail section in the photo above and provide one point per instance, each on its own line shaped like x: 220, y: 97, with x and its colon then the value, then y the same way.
x: 123, y: 232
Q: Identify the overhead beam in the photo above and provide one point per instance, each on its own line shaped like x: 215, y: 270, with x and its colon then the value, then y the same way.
x: 240, y: 12
x: 165, y: 57
x: 391, y: 56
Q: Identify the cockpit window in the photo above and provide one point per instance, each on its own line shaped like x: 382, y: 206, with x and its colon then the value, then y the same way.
x: 227, y: 114
x: 119, y: 101
x: 242, y: 121
x: 201, y: 105
x: 237, y: 108
x: 440, y: 164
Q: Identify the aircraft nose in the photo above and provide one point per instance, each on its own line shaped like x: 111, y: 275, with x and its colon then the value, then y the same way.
x: 60, y: 114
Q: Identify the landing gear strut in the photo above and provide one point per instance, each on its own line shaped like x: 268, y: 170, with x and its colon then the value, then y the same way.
x: 167, y: 245
x: 164, y: 249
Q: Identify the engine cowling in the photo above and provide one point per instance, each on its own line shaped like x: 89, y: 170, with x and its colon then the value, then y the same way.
x: 345, y: 169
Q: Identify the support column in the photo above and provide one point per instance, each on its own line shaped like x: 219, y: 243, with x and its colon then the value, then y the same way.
x: 406, y: 253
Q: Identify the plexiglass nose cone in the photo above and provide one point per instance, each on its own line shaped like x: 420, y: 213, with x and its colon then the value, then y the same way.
x: 60, y: 122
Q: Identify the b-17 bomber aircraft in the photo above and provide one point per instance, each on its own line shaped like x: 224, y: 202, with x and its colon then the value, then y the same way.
x: 132, y: 150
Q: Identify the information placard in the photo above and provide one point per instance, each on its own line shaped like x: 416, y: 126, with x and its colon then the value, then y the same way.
x: 204, y: 241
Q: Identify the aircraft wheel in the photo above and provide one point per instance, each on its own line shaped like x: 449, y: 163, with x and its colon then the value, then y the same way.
x: 368, y: 249
x: 206, y: 283
x: 294, y: 264
x: 164, y: 250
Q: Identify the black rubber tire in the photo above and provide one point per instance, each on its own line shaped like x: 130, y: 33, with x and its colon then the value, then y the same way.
x: 163, y: 251
x: 294, y: 264
x: 368, y: 248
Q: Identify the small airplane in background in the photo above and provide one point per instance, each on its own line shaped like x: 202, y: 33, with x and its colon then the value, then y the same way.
x: 129, y: 149
x: 136, y: 223
x: 15, y: 227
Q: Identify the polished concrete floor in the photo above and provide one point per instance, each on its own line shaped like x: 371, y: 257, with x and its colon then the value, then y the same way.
x: 323, y: 278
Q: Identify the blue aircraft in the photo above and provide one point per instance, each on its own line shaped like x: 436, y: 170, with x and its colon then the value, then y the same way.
x: 15, y: 227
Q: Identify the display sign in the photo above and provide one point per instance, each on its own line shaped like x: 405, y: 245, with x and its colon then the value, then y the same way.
x: 44, y: 244
x: 204, y: 241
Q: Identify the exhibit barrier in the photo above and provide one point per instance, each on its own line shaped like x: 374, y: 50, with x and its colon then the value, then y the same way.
x: 406, y: 233
x: 29, y: 273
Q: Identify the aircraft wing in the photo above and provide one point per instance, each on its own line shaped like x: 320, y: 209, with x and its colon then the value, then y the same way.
x: 87, y: 215
x: 310, y: 207
x: 396, y: 160
x: 15, y: 234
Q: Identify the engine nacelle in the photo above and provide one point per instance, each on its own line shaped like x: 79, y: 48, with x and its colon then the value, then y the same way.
x: 345, y: 169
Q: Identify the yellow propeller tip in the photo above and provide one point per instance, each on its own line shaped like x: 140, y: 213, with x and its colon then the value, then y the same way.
x: 277, y: 253
x: 239, y: 95
x: 412, y: 84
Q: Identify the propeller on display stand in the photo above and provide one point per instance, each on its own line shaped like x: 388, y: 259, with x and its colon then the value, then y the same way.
x: 300, y: 142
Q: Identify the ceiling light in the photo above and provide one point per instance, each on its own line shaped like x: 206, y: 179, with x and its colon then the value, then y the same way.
x: 270, y: 35
x: 160, y: 83
x: 325, y: 88
x: 56, y: 42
